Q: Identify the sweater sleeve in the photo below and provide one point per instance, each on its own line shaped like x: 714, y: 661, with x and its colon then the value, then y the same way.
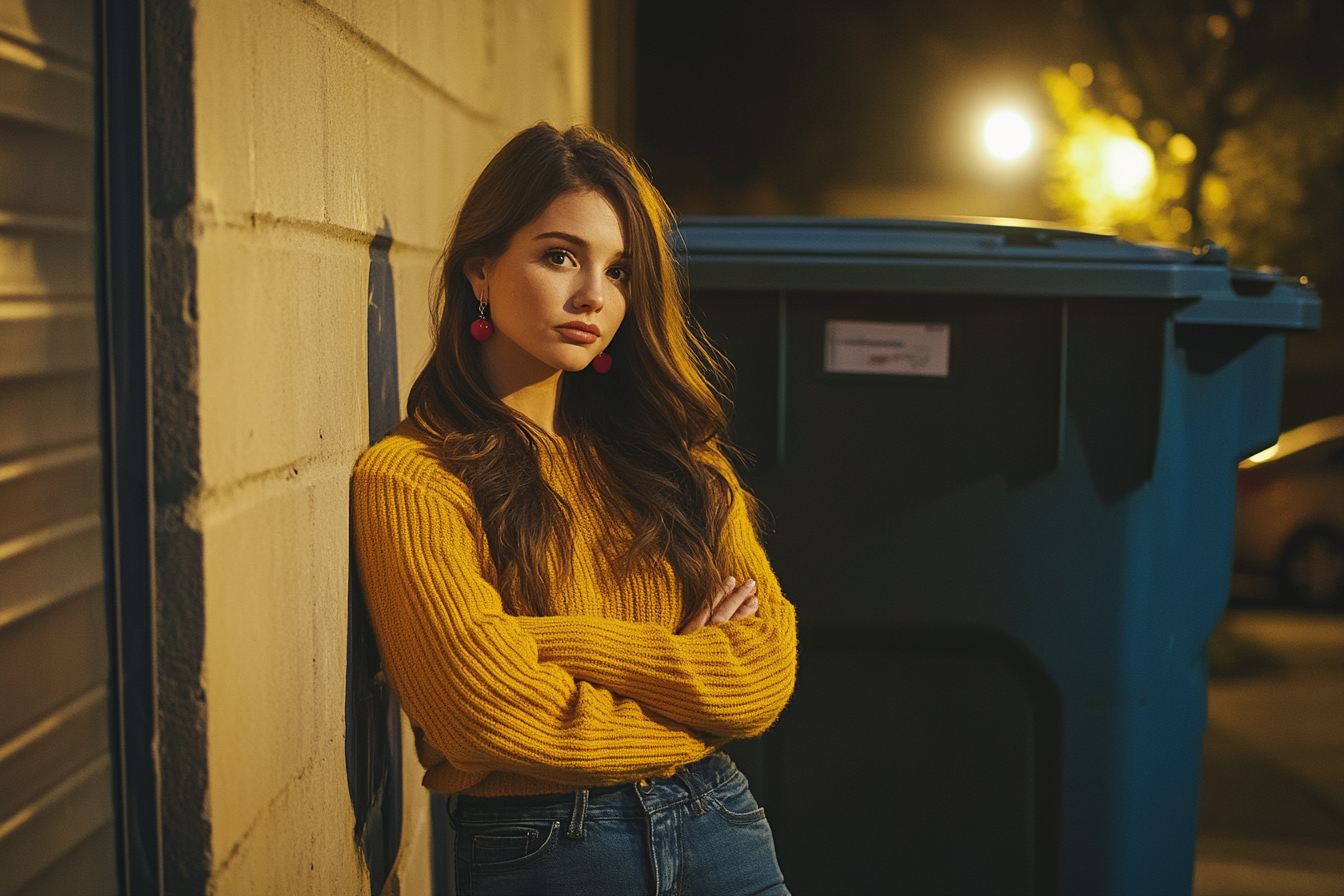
x: 729, y: 680
x: 467, y: 673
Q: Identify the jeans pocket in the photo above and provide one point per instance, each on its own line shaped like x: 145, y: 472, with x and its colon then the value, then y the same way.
x: 504, y: 847
x: 733, y: 801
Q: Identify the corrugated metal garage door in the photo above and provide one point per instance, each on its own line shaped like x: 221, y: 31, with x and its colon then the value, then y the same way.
x: 56, y: 830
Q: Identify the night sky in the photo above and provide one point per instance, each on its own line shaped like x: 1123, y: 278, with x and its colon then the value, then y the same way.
x: 797, y: 96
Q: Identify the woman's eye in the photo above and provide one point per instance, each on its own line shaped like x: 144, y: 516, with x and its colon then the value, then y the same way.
x: 620, y: 275
x: 558, y: 257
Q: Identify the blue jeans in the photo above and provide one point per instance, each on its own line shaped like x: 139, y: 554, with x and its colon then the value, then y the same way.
x: 698, y: 832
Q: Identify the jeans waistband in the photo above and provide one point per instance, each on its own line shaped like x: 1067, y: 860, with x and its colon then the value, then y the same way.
x: 689, y: 784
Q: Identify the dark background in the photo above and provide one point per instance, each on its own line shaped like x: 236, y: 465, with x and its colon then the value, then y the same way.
x: 796, y: 107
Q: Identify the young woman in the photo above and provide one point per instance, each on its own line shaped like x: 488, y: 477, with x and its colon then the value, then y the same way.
x: 552, y: 543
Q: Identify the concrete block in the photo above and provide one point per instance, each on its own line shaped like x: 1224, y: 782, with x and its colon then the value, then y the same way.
x: 542, y: 63
x: 288, y: 123
x: 282, y: 327
x: 259, y: 111
x: 450, y: 45
x: 308, y: 121
x: 301, y: 843
x: 425, y: 39
x: 347, y: 198
x: 424, y: 154
x: 398, y: 157
x: 276, y: 571
x: 413, y: 271
x: 225, y: 75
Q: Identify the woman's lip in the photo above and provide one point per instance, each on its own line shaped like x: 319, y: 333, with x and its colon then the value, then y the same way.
x: 580, y: 332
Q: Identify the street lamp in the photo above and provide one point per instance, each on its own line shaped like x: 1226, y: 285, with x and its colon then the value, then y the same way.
x: 1007, y: 135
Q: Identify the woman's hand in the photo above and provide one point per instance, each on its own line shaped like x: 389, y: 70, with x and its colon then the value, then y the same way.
x: 731, y: 601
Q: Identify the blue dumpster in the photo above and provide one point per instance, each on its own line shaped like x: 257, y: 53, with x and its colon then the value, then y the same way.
x: 1000, y: 465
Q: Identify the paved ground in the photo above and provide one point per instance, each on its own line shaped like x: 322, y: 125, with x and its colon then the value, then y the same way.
x: 1272, y: 804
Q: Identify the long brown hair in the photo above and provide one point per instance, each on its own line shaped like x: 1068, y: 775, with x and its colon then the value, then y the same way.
x: 649, y: 437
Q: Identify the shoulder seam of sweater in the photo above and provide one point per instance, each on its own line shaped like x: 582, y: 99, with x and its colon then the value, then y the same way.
x: 416, y: 471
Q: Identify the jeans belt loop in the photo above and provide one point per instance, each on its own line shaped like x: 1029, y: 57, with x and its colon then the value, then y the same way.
x: 697, y: 798
x: 575, y: 831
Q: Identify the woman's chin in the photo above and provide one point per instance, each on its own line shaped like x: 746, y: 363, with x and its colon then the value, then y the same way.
x: 573, y: 362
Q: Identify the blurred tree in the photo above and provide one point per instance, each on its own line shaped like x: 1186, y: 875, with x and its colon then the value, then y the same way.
x: 1099, y: 173
x: 1242, y: 103
x: 1273, y: 191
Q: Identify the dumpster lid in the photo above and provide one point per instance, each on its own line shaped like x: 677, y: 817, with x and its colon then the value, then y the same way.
x: 988, y: 257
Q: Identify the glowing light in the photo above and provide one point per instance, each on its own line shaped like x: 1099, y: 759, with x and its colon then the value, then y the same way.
x: 1171, y: 185
x: 1100, y: 173
x: 1215, y: 193
x: 1156, y: 131
x: 1007, y: 135
x: 1128, y: 167
x: 1182, y: 149
x: 1268, y: 454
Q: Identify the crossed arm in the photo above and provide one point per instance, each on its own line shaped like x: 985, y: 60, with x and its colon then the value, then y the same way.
x: 727, y: 673
x: 578, y: 700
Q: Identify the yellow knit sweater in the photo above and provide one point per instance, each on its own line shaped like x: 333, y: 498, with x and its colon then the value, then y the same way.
x: 602, y: 691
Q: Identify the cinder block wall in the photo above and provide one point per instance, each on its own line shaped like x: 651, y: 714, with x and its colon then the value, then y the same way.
x: 314, y: 125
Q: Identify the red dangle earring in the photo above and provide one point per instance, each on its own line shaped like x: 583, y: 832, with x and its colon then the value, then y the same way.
x: 481, y: 329
x: 602, y: 363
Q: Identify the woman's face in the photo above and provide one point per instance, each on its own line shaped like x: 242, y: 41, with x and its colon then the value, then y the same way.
x: 558, y: 293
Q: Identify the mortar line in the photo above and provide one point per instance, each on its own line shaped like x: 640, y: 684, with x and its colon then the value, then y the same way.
x: 228, y: 497
x: 352, y: 34
x: 259, y: 816
x: 262, y: 221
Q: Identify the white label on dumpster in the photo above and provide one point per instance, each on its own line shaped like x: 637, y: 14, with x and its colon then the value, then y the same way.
x: 862, y: 346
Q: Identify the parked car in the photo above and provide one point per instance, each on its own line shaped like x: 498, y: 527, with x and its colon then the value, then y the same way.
x: 1290, y: 514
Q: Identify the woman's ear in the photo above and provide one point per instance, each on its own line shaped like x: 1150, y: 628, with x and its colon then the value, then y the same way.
x: 474, y: 268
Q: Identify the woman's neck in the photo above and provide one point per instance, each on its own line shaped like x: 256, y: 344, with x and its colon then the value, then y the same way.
x: 521, y: 382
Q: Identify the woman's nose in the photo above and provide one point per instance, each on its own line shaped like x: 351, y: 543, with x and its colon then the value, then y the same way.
x: 590, y: 294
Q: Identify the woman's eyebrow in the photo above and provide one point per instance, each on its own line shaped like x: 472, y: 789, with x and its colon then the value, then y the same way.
x: 561, y: 235
x: 569, y: 237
